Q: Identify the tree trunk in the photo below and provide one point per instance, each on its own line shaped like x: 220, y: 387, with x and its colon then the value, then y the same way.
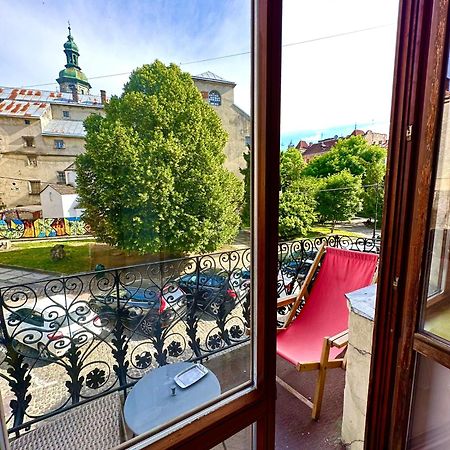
x: 333, y: 224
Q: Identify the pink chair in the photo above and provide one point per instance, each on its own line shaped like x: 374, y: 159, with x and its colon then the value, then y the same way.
x: 319, y: 334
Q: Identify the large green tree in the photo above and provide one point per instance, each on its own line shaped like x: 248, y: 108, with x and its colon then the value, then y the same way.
x: 152, y: 176
x: 339, y: 198
x: 297, y: 211
x: 361, y: 159
x: 291, y: 166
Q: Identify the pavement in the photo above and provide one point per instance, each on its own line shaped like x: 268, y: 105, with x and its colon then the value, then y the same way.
x: 11, y: 277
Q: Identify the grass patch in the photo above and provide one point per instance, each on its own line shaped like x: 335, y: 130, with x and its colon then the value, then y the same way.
x: 36, y: 255
x: 320, y: 230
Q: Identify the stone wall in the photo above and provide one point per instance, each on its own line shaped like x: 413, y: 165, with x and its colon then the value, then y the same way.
x: 357, y: 381
x: 235, y: 122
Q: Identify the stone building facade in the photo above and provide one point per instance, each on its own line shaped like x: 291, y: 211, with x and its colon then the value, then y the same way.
x: 219, y: 93
x: 41, y: 133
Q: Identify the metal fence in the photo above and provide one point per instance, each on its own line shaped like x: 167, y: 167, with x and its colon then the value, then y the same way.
x: 70, y: 339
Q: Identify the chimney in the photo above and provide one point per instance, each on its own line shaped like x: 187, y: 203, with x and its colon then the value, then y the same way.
x: 75, y: 94
x: 103, y: 96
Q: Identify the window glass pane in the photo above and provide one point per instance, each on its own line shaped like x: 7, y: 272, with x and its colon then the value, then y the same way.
x: 430, y: 424
x: 437, y: 307
x: 125, y: 203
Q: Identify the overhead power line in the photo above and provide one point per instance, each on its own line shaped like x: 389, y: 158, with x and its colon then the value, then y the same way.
x: 232, y: 55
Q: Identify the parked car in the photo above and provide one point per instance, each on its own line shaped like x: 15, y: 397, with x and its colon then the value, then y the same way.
x: 139, y: 309
x: 293, y: 271
x: 212, y: 291
x: 52, y: 325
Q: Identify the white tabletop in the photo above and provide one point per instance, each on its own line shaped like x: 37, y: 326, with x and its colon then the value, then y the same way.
x: 151, y: 403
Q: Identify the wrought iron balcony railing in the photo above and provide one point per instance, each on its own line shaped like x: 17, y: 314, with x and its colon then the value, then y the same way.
x: 71, y: 339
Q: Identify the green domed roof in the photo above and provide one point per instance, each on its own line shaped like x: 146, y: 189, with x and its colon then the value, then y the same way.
x: 70, y: 45
x: 74, y: 73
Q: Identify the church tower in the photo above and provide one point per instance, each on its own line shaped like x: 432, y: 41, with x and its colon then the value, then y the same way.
x: 72, y: 78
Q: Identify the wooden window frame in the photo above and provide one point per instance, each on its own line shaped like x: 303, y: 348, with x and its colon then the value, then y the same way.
x: 419, y: 80
x: 257, y: 405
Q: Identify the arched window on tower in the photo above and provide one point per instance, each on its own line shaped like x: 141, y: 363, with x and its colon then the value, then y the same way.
x: 214, y: 98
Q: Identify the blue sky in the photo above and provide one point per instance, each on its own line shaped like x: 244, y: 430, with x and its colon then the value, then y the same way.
x: 327, y: 85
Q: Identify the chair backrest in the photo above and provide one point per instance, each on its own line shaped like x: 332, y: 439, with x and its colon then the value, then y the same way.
x: 342, y: 271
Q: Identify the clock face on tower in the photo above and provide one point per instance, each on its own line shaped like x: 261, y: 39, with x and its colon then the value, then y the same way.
x: 214, y: 98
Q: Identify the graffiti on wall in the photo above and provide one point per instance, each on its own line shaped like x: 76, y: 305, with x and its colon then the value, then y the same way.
x: 43, y: 228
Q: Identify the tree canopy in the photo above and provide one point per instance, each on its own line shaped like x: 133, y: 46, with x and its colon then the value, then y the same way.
x: 355, y: 155
x: 339, y: 198
x: 152, y: 175
x: 297, y: 211
x: 291, y: 166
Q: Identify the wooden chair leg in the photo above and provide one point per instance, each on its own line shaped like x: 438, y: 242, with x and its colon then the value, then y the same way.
x: 320, y: 384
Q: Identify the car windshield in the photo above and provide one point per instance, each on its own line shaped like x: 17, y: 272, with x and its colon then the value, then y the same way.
x: 205, y: 279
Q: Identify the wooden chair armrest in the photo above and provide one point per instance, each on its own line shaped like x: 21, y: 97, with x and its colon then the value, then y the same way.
x: 339, y: 340
x: 283, y: 301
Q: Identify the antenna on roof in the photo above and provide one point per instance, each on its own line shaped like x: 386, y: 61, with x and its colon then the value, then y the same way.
x: 355, y: 125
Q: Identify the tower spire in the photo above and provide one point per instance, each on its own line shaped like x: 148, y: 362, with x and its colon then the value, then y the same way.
x: 72, y: 77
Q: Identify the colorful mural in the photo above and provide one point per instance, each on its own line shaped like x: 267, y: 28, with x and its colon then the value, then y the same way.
x: 43, y: 228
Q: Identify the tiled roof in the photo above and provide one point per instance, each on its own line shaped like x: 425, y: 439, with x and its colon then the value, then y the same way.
x: 16, y: 108
x: 37, y: 95
x: 63, y: 189
x: 69, y: 128
x: 209, y: 76
x: 302, y: 145
x: 320, y: 147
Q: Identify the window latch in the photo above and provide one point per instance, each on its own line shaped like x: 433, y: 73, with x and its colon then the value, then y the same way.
x: 409, y: 133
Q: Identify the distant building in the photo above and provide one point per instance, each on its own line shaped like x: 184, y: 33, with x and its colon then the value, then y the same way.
x: 219, y: 93
x: 310, y: 151
x: 42, y: 132
x: 58, y: 201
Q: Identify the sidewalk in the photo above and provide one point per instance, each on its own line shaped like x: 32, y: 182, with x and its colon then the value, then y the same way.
x: 11, y: 277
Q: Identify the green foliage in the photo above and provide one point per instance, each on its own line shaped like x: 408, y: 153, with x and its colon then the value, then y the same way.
x: 291, y: 166
x: 152, y: 176
x: 359, y: 158
x: 245, y: 213
x: 339, y: 198
x: 297, y: 211
x: 373, y: 195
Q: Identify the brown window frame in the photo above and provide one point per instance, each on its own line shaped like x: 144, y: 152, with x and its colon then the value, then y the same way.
x: 258, y: 405
x: 419, y: 80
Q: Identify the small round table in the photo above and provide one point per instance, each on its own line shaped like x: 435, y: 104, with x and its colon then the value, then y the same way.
x: 151, y: 402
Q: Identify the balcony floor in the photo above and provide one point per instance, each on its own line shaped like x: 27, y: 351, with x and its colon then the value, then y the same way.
x: 294, y: 427
x: 295, y: 430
